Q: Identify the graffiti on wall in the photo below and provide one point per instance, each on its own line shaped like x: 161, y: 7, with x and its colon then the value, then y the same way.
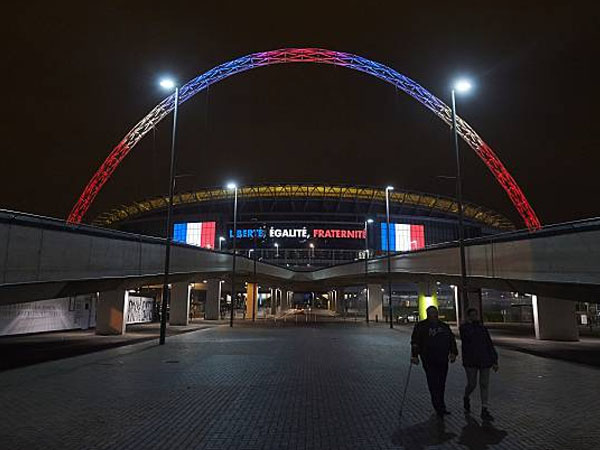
x: 139, y: 309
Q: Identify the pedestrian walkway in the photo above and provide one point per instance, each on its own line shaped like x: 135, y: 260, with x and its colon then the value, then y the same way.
x: 24, y: 350
x: 334, y: 386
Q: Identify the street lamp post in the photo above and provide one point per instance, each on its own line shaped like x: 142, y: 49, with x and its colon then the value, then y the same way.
x: 255, y: 285
x: 389, y: 253
x: 311, y: 253
x: 221, y: 240
x: 367, y: 222
x: 460, y: 86
x: 235, y: 196
x: 276, y: 250
x: 169, y: 84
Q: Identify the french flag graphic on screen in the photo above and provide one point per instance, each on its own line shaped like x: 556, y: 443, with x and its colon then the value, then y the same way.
x: 403, y: 237
x: 201, y: 234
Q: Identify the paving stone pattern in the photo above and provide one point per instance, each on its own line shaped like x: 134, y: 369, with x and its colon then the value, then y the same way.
x: 320, y: 387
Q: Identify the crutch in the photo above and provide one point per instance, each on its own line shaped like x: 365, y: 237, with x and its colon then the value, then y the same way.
x: 405, y: 390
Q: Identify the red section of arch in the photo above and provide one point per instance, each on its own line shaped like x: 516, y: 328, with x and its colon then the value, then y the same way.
x: 510, y: 186
x: 95, y: 184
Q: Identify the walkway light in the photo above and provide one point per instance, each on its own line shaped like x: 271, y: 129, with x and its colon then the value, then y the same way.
x: 367, y: 222
x: 233, y: 186
x: 389, y: 251
x: 169, y: 84
x: 461, y: 86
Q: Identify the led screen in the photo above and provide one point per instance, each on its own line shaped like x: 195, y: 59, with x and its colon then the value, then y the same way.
x: 201, y: 234
x: 403, y: 237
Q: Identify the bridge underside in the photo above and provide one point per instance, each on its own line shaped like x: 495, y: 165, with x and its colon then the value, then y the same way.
x: 45, y: 258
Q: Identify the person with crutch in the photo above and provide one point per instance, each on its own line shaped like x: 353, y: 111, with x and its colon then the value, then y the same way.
x: 434, y: 342
x: 479, y: 356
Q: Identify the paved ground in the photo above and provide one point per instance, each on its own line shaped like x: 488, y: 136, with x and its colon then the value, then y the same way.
x: 584, y: 351
x: 24, y: 350
x: 316, y: 386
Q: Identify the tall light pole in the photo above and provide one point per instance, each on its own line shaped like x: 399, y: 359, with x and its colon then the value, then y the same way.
x: 311, y: 253
x: 461, y: 86
x: 221, y: 240
x: 276, y: 250
x: 169, y: 84
x: 389, y: 252
x: 235, y: 194
x: 367, y: 222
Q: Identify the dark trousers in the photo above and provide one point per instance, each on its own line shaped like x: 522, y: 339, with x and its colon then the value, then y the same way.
x: 436, y: 373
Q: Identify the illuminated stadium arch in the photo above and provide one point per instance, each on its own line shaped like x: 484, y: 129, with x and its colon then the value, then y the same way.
x: 305, y: 55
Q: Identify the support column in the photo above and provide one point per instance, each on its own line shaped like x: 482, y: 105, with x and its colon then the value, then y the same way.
x: 111, y: 312
x: 286, y: 299
x: 375, y: 296
x: 179, y: 313
x: 554, y: 319
x: 212, y: 307
x: 251, y: 300
x: 427, y: 297
x: 473, y: 300
x: 275, y: 294
x: 340, y: 303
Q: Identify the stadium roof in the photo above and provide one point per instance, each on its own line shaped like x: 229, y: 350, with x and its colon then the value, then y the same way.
x: 445, y: 205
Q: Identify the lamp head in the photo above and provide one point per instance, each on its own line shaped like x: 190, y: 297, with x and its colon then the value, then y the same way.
x: 462, y: 85
x: 231, y: 186
x: 167, y: 83
x: 369, y: 220
x: 389, y: 188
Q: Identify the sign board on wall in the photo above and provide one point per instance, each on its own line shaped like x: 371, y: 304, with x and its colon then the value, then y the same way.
x: 299, y: 233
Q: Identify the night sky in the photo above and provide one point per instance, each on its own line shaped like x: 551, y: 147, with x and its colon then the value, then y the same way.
x: 78, y: 75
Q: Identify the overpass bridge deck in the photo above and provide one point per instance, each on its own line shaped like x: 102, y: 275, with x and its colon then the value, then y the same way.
x: 46, y: 258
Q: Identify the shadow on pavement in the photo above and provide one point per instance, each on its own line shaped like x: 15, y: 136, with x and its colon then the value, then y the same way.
x: 433, y: 431
x: 478, y: 437
x: 422, y: 435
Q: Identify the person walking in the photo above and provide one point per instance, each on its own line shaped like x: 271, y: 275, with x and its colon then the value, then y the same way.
x: 433, y: 341
x: 479, y: 356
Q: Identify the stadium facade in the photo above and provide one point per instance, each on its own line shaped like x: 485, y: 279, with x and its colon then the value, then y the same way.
x: 300, y: 225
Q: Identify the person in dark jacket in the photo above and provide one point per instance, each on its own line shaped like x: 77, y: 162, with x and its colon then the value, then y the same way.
x: 433, y: 341
x: 479, y: 356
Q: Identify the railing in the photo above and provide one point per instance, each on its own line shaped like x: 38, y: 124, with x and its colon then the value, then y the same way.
x: 303, y: 257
